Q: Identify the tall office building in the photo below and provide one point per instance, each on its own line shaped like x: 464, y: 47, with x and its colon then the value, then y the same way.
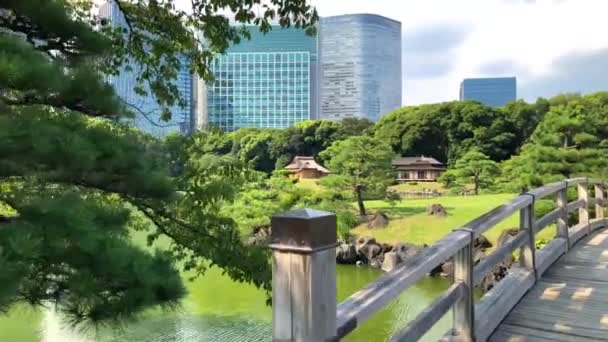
x: 146, y: 109
x: 494, y: 92
x: 269, y: 81
x: 360, y: 66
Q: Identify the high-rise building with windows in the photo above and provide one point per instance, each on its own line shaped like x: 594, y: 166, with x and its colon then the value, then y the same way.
x: 360, y: 66
x: 146, y: 109
x: 269, y: 81
x: 494, y: 92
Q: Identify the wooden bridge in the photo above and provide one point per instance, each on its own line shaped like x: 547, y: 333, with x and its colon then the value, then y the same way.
x: 556, y: 293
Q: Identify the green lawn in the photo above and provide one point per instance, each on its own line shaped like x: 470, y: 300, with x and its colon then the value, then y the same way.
x: 410, y: 223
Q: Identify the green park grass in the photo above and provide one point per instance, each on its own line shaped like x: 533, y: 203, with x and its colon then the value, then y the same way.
x: 410, y: 223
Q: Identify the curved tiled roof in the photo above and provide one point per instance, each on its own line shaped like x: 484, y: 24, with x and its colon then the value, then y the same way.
x: 305, y: 163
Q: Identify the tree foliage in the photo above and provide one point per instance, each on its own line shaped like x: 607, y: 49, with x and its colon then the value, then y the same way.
x: 269, y: 149
x: 571, y: 141
x: 473, y: 168
x: 447, y: 131
x: 74, y: 182
x: 359, y: 164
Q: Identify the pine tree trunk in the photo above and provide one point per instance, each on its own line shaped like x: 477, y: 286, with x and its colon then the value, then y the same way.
x: 476, y: 181
x: 358, y: 190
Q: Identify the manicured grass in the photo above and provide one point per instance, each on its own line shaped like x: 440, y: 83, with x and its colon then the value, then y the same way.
x: 419, y: 186
x: 410, y: 223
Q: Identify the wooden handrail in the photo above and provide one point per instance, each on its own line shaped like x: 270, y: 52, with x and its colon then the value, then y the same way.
x: 303, y: 311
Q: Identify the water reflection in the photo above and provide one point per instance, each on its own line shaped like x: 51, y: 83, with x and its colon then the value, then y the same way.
x: 218, y: 309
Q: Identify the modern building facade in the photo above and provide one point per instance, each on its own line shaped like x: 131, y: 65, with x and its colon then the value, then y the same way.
x: 269, y: 81
x: 360, y: 66
x: 494, y: 92
x: 146, y: 109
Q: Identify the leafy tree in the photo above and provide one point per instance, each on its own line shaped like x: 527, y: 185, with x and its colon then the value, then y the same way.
x: 73, y: 181
x: 359, y: 164
x: 571, y: 141
x: 525, y: 117
x: 267, y: 149
x: 263, y: 197
x: 447, y: 131
x: 474, y: 168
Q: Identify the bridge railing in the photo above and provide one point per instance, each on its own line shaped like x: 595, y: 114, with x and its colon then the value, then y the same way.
x: 304, y: 279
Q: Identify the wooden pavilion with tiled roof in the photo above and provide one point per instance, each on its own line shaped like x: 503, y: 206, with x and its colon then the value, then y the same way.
x: 306, y: 168
x: 418, y: 169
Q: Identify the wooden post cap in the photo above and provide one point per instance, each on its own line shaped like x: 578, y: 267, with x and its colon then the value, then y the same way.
x: 303, y: 230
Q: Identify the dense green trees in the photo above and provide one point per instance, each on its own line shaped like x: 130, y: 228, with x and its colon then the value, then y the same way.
x: 572, y: 140
x: 73, y: 181
x: 359, y: 164
x: 447, y: 131
x: 269, y: 149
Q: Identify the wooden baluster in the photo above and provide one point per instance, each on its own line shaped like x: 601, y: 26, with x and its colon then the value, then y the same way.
x: 562, y: 221
x: 304, y: 276
x: 599, y: 205
x: 464, y: 309
x: 527, y: 221
x: 583, y: 213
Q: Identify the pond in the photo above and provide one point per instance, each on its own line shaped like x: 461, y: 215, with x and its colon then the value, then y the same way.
x: 218, y: 309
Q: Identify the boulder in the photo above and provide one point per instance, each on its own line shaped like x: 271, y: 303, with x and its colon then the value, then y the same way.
x: 406, y: 251
x: 391, y: 260
x: 501, y: 269
x: 386, y: 247
x: 482, y: 243
x: 377, y: 262
x: 369, y: 252
x: 506, y: 236
x: 346, y: 253
x: 447, y: 269
x: 365, y: 240
x: 378, y: 221
x: 436, y: 210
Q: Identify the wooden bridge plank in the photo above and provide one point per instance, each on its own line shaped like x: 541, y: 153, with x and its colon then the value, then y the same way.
x: 570, y: 301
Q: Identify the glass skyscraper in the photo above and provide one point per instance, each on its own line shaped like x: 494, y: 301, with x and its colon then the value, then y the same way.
x: 269, y: 81
x: 360, y: 66
x: 146, y: 109
x: 494, y: 92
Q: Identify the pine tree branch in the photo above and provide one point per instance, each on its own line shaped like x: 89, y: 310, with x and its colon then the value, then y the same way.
x: 146, y: 115
x: 145, y: 209
x: 125, y: 14
x: 52, y: 102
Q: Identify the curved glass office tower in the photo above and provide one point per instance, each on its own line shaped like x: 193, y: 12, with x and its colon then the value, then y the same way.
x: 360, y: 66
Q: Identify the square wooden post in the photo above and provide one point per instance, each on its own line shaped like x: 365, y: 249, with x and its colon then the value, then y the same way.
x: 599, y: 196
x: 527, y: 222
x: 464, y: 309
x: 562, y: 221
x: 304, y: 276
x: 583, y: 212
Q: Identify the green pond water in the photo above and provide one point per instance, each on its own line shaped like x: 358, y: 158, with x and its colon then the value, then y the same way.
x: 218, y: 309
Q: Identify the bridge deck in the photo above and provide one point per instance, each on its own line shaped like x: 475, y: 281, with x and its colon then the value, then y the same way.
x: 569, y: 302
